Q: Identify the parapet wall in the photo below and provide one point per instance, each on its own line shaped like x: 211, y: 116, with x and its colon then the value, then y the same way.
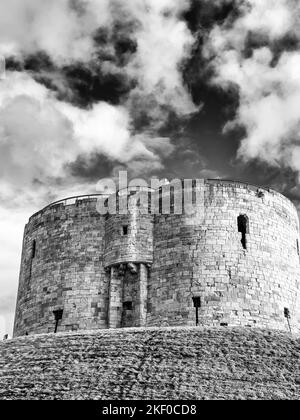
x: 149, y: 269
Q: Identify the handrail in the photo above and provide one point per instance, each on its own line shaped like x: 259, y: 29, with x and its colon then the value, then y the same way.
x: 75, y: 197
x: 129, y: 189
x: 240, y: 182
x: 65, y: 200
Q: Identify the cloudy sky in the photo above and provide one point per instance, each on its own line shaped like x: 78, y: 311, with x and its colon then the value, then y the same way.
x: 167, y: 88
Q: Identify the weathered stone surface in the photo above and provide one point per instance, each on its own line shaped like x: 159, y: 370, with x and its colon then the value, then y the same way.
x: 166, y: 363
x: 67, y: 271
x: 89, y: 266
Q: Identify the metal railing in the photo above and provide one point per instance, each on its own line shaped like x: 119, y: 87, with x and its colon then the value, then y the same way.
x: 66, y: 201
x: 231, y: 181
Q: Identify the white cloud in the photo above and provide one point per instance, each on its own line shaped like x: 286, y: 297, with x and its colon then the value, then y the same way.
x: 11, y: 227
x: 2, y: 327
x: 27, y: 26
x: 269, y: 91
x: 64, y: 29
x: 271, y: 18
x: 40, y: 135
x: 163, y: 41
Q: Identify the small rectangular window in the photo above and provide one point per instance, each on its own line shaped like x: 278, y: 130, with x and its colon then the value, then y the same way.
x: 197, y: 305
x: 127, y: 306
x: 125, y: 230
x: 58, y: 314
x: 197, y: 302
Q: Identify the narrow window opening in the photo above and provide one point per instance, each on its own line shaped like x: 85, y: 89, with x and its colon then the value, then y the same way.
x: 125, y: 230
x: 149, y: 202
x: 194, y: 192
x: 197, y: 305
x: 160, y: 192
x: 243, y: 228
x: 32, y: 257
x: 33, y: 250
x: 172, y: 199
x: 127, y: 306
x: 287, y: 315
x: 298, y: 249
x: 57, y: 316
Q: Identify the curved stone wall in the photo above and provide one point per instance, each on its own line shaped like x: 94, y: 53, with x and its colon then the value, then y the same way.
x: 66, y: 271
x: 129, y: 237
x: 231, y: 260
x: 202, y: 255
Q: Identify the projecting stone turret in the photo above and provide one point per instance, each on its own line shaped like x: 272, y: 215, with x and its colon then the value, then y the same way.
x: 231, y: 261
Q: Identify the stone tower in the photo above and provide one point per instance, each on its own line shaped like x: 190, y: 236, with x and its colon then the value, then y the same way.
x: 231, y: 261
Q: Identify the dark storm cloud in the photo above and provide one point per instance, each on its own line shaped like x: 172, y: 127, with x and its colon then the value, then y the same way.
x: 84, y: 83
x: 204, y: 14
x: 96, y: 168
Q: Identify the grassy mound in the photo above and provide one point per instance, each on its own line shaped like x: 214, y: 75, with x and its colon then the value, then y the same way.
x: 156, y: 363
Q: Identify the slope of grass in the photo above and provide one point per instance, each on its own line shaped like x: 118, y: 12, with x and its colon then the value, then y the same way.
x: 156, y: 363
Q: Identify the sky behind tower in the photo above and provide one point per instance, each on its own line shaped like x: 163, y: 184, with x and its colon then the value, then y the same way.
x: 166, y: 88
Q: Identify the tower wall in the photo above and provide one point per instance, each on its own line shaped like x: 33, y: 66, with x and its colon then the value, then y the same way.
x: 66, y: 272
x: 201, y: 255
x: 128, y: 256
x: 129, y: 237
x: 236, y: 252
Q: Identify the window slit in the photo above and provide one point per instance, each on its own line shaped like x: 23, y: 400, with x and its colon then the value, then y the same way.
x: 32, y: 257
x: 33, y: 250
x: 243, y: 228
